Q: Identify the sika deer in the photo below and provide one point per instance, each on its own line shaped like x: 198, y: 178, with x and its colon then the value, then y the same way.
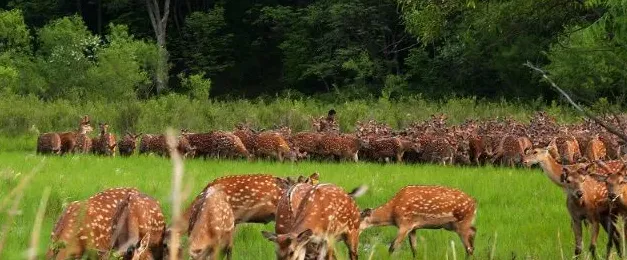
x: 211, y: 225
x: 430, y: 207
x: 49, y: 143
x: 68, y: 139
x: 140, y: 218
x: 105, y: 143
x: 587, y: 201
x: 325, y: 213
x: 127, y: 145
x: 88, y: 224
x: 289, y: 203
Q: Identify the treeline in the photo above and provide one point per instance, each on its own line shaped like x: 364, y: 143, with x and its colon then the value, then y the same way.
x: 334, y: 49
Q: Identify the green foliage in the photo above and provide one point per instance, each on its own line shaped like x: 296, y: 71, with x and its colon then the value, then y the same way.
x: 196, y: 86
x: 14, y: 34
x: 591, y: 59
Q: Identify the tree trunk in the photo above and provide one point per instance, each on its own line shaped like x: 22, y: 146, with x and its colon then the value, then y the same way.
x: 159, y: 23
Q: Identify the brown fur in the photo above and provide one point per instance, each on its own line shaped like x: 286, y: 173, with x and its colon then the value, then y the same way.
x: 595, y: 149
x: 105, y: 143
x: 89, y: 224
x: 49, y: 143
x: 219, y: 144
x: 326, y: 212
x: 127, y: 145
x: 392, y: 147
x: 431, y: 207
x: 157, y: 144
x: 437, y: 150
x: 308, y: 142
x: 510, y: 150
x: 345, y: 146
x: 272, y: 144
x: 68, y: 139
x: 140, y: 220
x: 84, y: 143
x: 211, y: 225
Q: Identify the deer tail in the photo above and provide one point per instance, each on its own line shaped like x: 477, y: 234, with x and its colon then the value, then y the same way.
x: 359, y: 191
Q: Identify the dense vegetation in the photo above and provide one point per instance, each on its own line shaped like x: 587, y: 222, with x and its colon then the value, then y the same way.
x: 338, y: 49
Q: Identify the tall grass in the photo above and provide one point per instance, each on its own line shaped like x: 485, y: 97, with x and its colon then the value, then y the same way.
x: 28, y: 115
x: 522, y: 207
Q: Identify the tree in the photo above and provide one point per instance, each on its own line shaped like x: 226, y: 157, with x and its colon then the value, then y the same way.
x: 159, y: 22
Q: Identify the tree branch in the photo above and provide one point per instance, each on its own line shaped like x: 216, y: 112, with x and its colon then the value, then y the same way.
x: 610, y: 128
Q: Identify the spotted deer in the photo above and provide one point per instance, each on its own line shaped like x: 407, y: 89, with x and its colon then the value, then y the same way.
x: 105, y: 143
x: 426, y: 207
x: 551, y: 168
x: 68, y: 139
x: 157, y: 144
x: 565, y: 148
x: 88, y: 225
x: 211, y: 225
x: 324, y: 214
x: 307, y: 142
x: 218, y: 143
x: 84, y: 143
x: 392, y: 147
x: 288, y: 206
x: 587, y: 201
x: 595, y: 149
x: 273, y: 144
x: 139, y: 220
x: 511, y: 149
x: 344, y: 146
x: 253, y: 197
x: 127, y: 145
x: 49, y: 143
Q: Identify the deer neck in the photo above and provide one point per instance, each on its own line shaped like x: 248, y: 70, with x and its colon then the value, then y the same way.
x: 381, y: 216
x: 552, y: 169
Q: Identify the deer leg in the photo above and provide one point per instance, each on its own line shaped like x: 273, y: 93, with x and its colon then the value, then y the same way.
x: 576, y: 226
x: 352, y: 242
x: 356, y: 157
x: 413, y: 242
x: 594, y: 235
x: 402, y: 233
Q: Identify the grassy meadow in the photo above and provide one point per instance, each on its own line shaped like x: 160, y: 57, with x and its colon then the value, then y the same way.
x: 520, y: 213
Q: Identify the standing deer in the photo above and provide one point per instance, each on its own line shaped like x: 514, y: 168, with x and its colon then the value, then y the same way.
x: 49, y: 143
x: 105, y: 143
x: 587, y: 201
x: 430, y: 207
x: 127, y: 145
x: 211, y: 225
x: 69, y: 139
x: 88, y: 224
x: 325, y: 213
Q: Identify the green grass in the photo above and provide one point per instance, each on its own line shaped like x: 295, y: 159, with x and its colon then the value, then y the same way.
x: 519, y: 208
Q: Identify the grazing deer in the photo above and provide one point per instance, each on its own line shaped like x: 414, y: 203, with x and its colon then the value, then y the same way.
x: 253, y: 197
x: 308, y: 142
x: 105, y: 143
x: 211, y: 225
x: 430, y: 207
x: 88, y: 224
x: 325, y: 213
x: 68, y: 139
x: 127, y: 145
x: 49, y: 143
x: 586, y: 200
x: 273, y: 144
x: 157, y: 144
x: 218, y: 143
x: 288, y: 206
x: 139, y: 223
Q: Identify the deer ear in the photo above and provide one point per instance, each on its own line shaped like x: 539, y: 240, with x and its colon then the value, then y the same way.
x: 304, y: 236
x: 366, y: 213
x: 315, y: 178
x: 269, y: 235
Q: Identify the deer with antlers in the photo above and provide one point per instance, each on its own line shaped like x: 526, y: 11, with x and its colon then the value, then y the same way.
x: 426, y: 207
x: 325, y: 212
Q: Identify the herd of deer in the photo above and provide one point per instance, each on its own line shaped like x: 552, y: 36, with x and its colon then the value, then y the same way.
x: 503, y: 141
x: 309, y: 216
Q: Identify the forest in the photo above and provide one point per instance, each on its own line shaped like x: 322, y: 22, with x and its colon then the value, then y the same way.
x: 110, y: 50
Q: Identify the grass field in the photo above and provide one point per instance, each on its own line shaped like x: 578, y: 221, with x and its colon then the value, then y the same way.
x: 521, y: 214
